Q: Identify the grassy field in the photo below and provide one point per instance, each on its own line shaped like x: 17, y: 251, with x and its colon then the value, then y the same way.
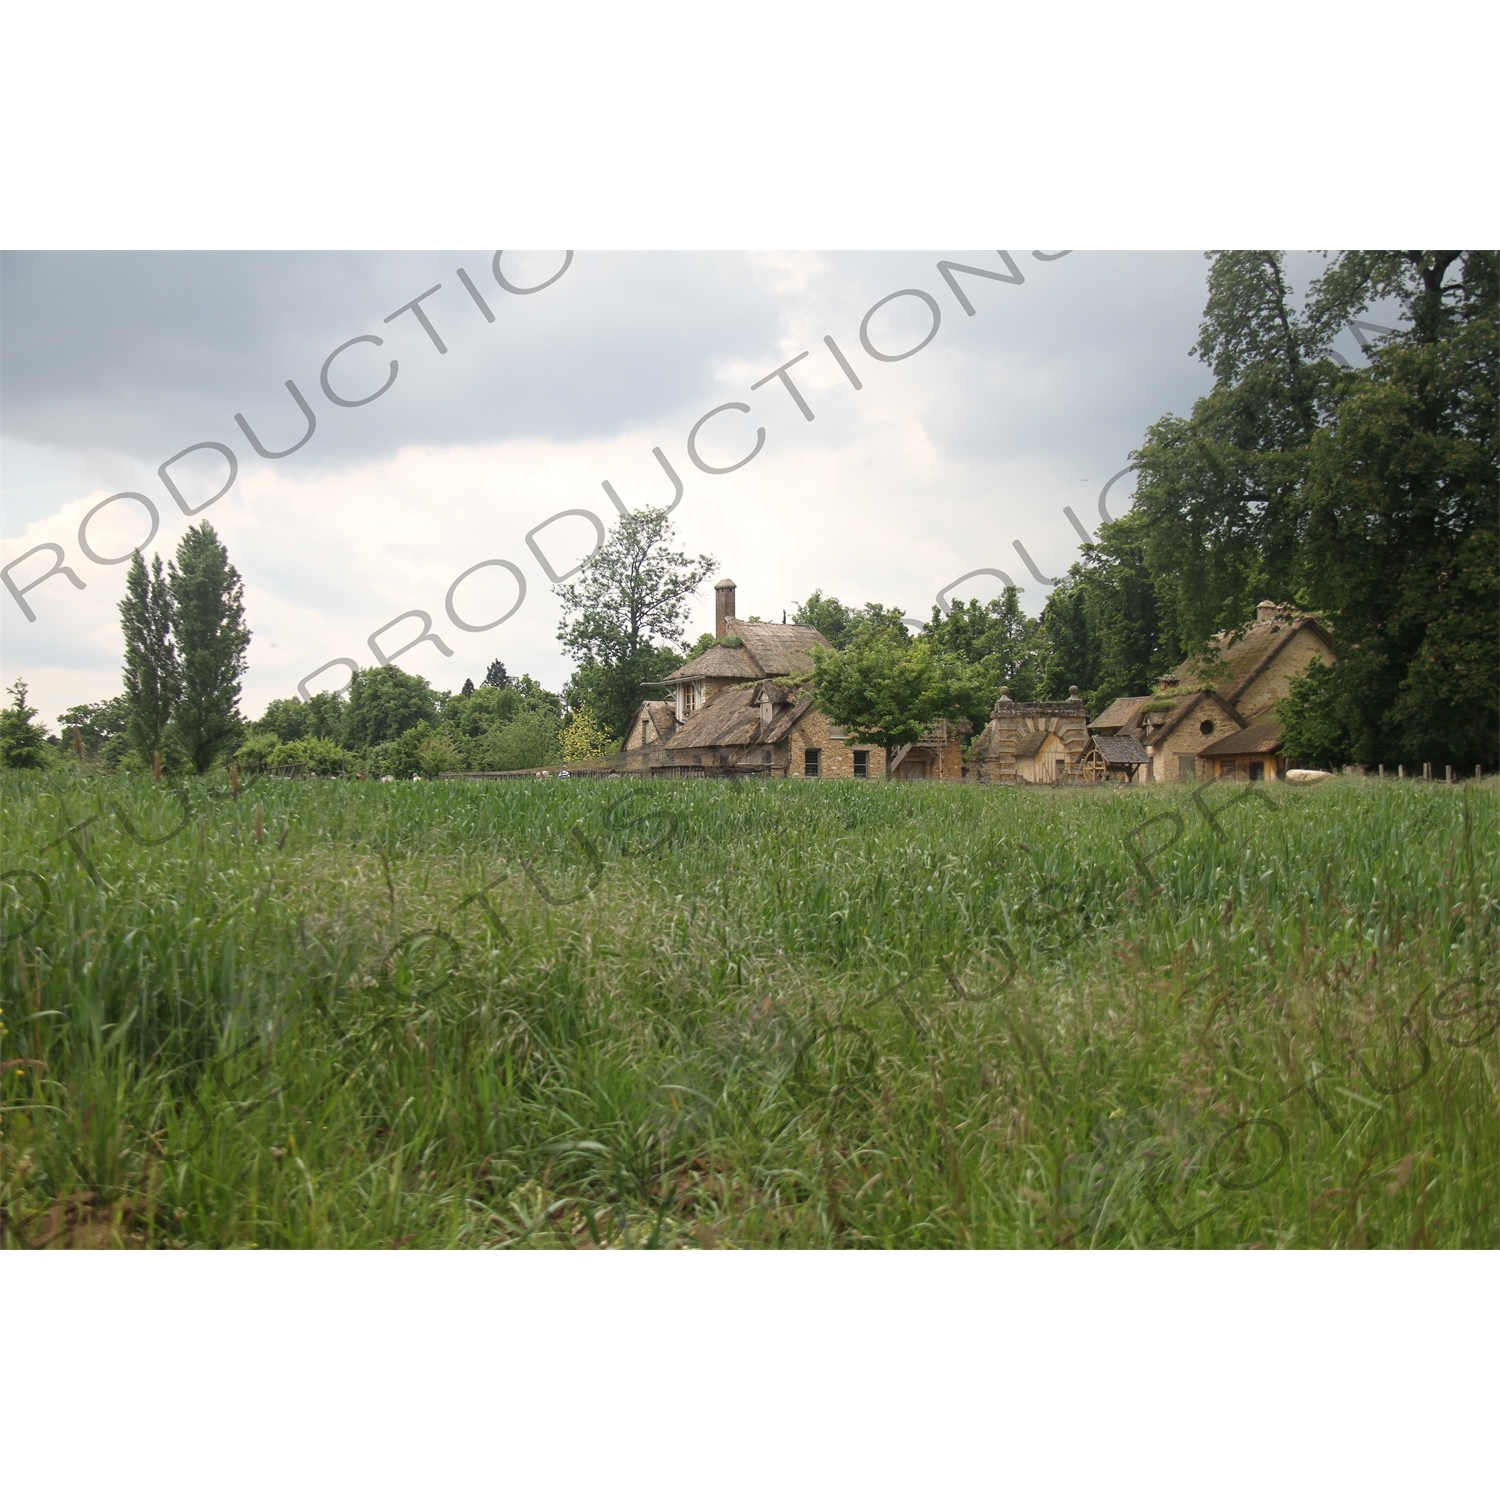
x: 650, y: 1014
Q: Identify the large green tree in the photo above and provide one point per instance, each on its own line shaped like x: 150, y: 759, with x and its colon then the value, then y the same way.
x: 886, y: 690
x: 103, y: 728
x: 319, y: 717
x: 385, y: 702
x: 998, y: 640
x: 1218, y: 493
x: 208, y: 625
x: 153, y: 673
x: 1108, y: 626
x: 623, y: 620
x: 1402, y: 504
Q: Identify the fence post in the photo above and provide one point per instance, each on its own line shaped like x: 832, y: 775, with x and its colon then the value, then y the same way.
x: 1426, y: 770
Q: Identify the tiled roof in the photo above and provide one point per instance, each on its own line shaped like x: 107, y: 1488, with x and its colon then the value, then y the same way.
x: 1121, y: 749
x: 1260, y: 738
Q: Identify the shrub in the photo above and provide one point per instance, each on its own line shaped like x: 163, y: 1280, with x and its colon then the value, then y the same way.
x: 321, y: 757
x: 256, y: 752
x: 440, y: 752
x: 583, y: 738
x: 529, y: 739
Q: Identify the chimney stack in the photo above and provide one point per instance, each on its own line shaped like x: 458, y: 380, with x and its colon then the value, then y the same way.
x: 1268, y: 609
x: 723, y: 607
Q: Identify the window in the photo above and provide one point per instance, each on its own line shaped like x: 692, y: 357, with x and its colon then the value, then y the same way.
x: 765, y: 757
x: 861, y: 762
x: 1206, y: 727
x: 1257, y: 770
x: 1187, y: 767
x: 810, y: 759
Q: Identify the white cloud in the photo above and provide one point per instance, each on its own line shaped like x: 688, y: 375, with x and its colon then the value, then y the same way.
x: 930, y: 471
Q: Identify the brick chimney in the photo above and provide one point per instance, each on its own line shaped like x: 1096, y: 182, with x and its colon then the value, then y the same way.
x: 723, y: 607
x: 1269, y: 610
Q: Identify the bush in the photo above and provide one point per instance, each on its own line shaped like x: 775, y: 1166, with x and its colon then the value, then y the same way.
x: 256, y: 752
x: 529, y: 739
x: 438, y: 753
x: 321, y: 757
x: 583, y: 738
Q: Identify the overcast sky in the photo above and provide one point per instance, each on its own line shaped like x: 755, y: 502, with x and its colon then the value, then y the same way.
x: 111, y: 363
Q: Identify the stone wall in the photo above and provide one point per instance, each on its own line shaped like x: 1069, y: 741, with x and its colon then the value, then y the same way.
x: 836, y: 753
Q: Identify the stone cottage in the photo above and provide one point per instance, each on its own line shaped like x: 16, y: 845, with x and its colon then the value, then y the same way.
x: 727, y: 712
x: 1216, y: 714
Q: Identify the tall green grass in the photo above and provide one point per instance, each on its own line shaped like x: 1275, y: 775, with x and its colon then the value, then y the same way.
x: 543, y: 1013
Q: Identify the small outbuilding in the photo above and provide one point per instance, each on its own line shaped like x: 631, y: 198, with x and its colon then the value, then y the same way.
x: 1116, y: 757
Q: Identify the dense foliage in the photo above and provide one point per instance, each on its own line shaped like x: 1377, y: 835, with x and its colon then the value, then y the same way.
x: 1367, y: 497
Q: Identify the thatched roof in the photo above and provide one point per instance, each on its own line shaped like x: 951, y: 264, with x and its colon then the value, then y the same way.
x: 1118, y: 714
x: 1235, y: 660
x: 733, y: 720
x: 765, y: 651
x: 1260, y: 738
x: 718, y: 662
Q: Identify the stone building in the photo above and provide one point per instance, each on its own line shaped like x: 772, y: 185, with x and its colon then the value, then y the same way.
x: 728, y: 712
x: 1034, y: 742
x: 1216, y: 714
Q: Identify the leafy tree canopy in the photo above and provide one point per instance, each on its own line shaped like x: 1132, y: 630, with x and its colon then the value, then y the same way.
x: 887, y: 691
x: 385, y: 702
x: 320, y: 717
x: 623, y: 620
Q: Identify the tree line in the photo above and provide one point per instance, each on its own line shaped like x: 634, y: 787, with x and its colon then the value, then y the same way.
x: 1366, y: 497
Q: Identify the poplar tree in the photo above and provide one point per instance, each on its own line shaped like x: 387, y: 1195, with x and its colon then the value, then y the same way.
x: 153, y: 675
x: 208, y: 622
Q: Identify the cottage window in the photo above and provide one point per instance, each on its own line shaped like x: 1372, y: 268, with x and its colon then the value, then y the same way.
x: 1206, y: 727
x: 1257, y: 770
x: 810, y: 760
x: 1187, y: 767
x: 861, y: 762
x: 765, y: 757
